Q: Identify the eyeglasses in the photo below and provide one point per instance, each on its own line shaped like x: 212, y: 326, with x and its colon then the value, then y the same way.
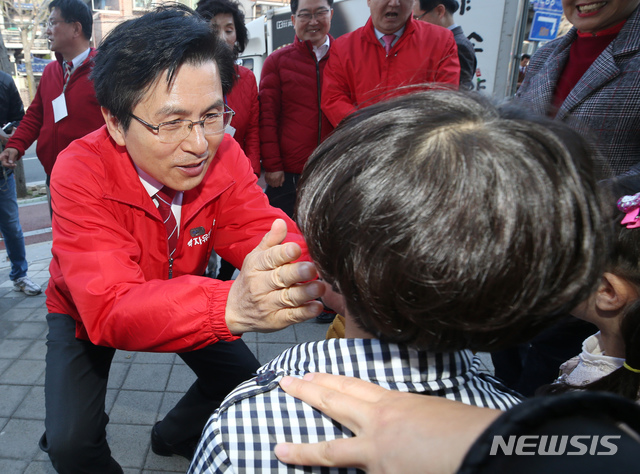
x: 52, y: 23
x: 178, y: 130
x: 319, y: 15
x: 419, y: 17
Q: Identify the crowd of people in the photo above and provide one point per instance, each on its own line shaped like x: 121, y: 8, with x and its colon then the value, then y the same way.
x: 435, y: 222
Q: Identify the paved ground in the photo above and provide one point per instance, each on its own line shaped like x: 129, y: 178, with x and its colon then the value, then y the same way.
x: 142, y: 386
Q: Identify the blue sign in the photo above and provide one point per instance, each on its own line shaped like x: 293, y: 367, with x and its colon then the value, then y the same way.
x: 545, y: 26
x: 37, y: 64
x: 549, y: 5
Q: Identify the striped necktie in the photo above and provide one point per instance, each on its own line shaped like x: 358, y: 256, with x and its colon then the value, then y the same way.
x: 67, y: 66
x: 165, y: 198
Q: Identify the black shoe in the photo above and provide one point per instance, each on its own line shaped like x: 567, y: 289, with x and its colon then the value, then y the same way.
x: 186, y: 449
x: 325, y: 317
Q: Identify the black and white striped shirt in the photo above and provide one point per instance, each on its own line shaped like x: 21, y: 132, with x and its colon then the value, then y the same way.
x: 241, y: 435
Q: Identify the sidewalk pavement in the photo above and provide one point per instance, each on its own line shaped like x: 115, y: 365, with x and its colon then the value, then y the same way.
x: 142, y: 386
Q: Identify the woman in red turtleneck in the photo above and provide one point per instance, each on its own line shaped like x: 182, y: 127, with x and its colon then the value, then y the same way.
x: 591, y: 78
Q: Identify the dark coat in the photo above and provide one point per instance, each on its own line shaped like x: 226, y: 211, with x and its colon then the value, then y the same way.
x: 467, y: 57
x: 605, y: 104
x: 11, y: 108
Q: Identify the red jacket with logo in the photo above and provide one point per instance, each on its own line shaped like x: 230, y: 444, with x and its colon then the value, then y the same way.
x: 83, y: 113
x: 292, y: 124
x: 110, y: 267
x: 243, y: 100
x: 360, y: 72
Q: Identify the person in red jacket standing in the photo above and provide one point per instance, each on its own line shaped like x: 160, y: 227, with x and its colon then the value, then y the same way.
x: 226, y: 17
x: 292, y: 124
x: 392, y: 50
x: 65, y: 106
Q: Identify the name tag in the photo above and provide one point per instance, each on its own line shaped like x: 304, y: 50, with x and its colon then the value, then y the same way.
x: 59, y: 108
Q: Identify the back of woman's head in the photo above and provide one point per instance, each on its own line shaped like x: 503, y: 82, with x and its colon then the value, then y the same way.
x: 448, y: 223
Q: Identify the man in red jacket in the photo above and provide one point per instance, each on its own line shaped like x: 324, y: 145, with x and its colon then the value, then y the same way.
x: 392, y: 50
x: 292, y: 124
x: 138, y: 206
x: 65, y: 105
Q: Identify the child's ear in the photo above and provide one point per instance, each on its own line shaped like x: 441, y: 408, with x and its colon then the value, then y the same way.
x: 614, y: 293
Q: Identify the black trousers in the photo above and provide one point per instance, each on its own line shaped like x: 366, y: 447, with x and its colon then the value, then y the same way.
x: 284, y: 197
x: 76, y: 378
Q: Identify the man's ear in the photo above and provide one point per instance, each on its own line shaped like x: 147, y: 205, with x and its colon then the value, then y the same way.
x: 441, y: 10
x: 77, y: 29
x: 114, y: 126
x: 614, y: 293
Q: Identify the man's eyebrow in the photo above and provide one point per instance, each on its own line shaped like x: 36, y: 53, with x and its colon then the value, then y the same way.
x: 218, y: 104
x: 172, y: 110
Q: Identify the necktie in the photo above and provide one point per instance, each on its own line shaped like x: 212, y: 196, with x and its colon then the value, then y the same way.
x: 67, y: 66
x: 165, y: 197
x: 388, y: 39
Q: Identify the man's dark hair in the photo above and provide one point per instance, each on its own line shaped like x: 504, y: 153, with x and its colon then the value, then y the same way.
x: 75, y: 10
x: 139, y: 51
x: 447, y: 223
x: 295, y: 3
x: 210, y: 8
x: 525, y: 56
x: 450, y: 5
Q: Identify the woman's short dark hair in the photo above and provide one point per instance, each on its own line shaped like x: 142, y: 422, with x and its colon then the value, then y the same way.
x: 139, y: 51
x: 448, y: 223
x: 75, y: 10
x: 210, y: 8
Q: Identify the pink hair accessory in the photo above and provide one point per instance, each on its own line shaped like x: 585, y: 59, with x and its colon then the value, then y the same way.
x: 630, y: 205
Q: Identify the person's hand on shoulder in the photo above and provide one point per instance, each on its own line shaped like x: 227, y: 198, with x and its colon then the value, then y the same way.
x: 394, y: 431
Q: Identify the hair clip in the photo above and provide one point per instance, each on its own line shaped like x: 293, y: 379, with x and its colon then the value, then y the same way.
x: 630, y: 205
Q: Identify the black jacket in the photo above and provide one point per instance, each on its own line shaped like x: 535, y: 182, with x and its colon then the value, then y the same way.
x: 11, y: 108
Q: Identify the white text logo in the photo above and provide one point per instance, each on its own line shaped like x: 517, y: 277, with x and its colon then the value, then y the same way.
x: 544, y: 445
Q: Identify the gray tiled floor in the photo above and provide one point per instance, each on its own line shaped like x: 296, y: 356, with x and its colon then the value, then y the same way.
x: 142, y: 386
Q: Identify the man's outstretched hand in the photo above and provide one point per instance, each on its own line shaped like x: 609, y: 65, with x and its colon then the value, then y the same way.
x: 270, y: 293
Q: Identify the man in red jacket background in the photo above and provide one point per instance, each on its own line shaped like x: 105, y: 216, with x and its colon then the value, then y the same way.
x: 65, y: 105
x: 392, y: 50
x: 138, y: 206
x: 292, y: 124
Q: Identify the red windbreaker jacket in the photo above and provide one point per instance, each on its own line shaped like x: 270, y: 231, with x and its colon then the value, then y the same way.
x: 110, y: 267
x: 360, y: 73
